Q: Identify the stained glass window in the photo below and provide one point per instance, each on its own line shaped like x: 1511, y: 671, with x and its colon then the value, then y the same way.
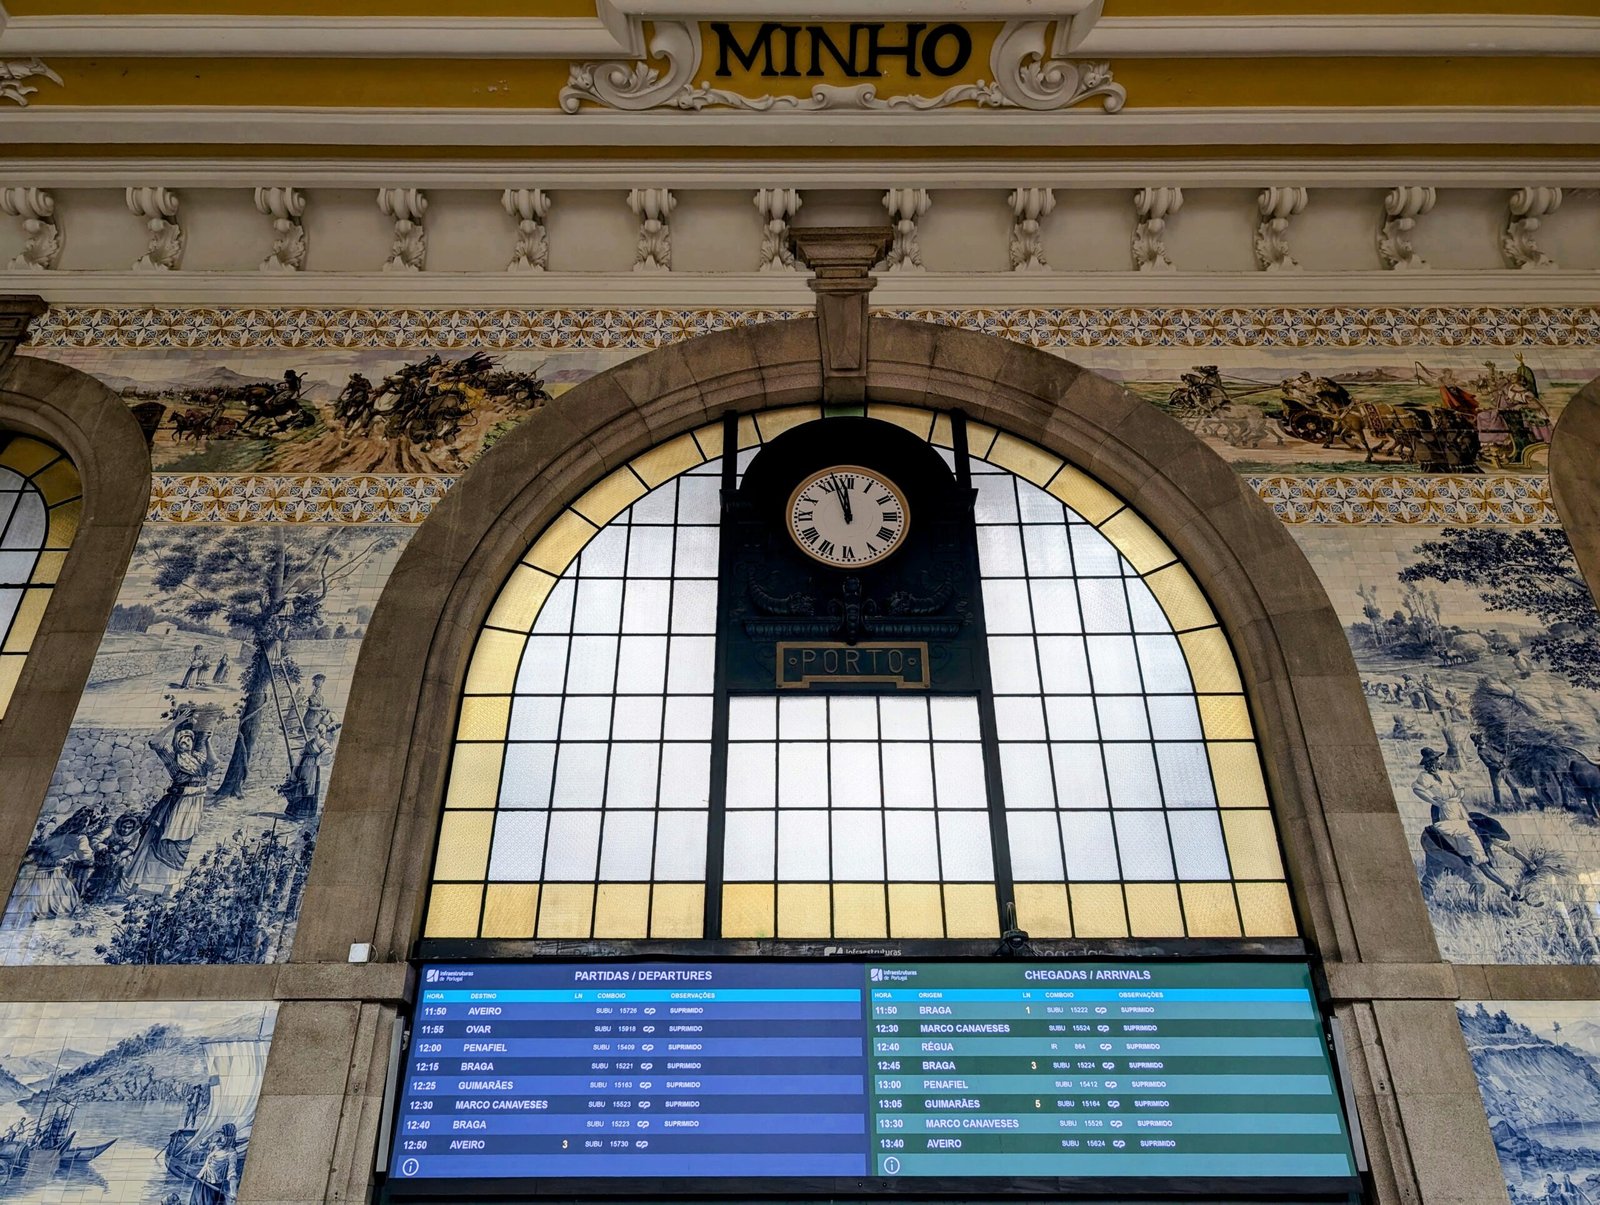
x: 587, y: 799
x: 40, y: 507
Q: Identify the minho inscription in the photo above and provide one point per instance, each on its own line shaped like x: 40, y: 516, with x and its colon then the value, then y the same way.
x: 794, y: 51
x: 802, y: 665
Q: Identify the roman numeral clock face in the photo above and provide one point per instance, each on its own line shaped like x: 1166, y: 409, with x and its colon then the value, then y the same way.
x: 847, y: 516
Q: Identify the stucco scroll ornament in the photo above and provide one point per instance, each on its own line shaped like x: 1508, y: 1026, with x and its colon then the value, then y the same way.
x: 638, y: 86
x: 409, y: 251
x: 42, y: 245
x: 653, y: 207
x: 778, y: 207
x: 1278, y: 206
x: 1029, y: 207
x: 1154, y: 206
x: 528, y: 206
x: 1528, y: 207
x: 14, y: 71
x: 1402, y: 207
x: 159, y: 208
x: 285, y: 206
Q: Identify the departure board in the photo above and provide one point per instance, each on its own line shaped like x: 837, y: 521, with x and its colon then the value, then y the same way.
x: 1005, y: 1076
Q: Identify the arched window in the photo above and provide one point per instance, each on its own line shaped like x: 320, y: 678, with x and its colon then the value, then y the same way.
x: 1101, y: 781
x: 41, y: 504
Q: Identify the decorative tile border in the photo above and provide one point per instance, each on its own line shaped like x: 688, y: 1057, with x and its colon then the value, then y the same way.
x: 572, y: 329
x: 1352, y: 501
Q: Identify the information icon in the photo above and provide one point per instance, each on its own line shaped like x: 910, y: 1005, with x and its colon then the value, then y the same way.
x: 410, y: 1167
x: 891, y: 1166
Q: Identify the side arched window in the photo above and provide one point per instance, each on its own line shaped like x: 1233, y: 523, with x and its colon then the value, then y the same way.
x: 41, y: 503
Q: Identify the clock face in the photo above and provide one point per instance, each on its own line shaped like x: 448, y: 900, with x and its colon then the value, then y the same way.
x: 847, y: 516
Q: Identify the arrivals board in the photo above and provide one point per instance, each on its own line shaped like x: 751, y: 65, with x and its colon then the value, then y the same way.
x: 1017, y: 1076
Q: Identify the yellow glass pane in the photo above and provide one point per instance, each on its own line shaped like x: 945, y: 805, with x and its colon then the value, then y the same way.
x: 942, y: 436
x: 47, y: 569
x: 915, y: 910
x: 622, y: 910
x: 475, y: 776
x: 773, y: 423
x: 453, y: 910
x: 1211, y: 663
x: 64, y: 521
x: 709, y: 438
x: 561, y: 543
x: 918, y: 422
x: 1084, y: 495
x: 804, y: 910
x: 1225, y: 718
x: 1209, y: 910
x: 463, y: 845
x: 1027, y: 461
x: 1097, y: 910
x: 1236, y: 770
x: 980, y: 438
x: 58, y: 483
x: 509, y: 909
x: 566, y: 909
x: 665, y: 461
x: 860, y: 910
x: 970, y: 910
x: 1180, y: 598
x: 521, y: 599
x: 494, y: 663
x: 1138, y: 541
x: 1042, y: 910
x: 749, y: 437
x: 747, y: 910
x: 10, y: 671
x: 26, y: 456
x: 1252, y: 845
x: 614, y: 494
x: 1153, y: 910
x: 484, y: 718
x: 1266, y: 910
x: 678, y: 910
x: 25, y: 624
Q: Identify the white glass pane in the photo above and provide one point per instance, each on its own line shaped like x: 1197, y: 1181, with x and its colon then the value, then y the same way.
x: 1035, y: 847
x: 599, y: 607
x: 1071, y: 718
x: 544, y: 665
x: 1091, y: 851
x: 1064, y: 665
x: 1147, y: 613
x: 954, y: 719
x: 631, y: 779
x: 853, y: 769
x: 1055, y: 605
x: 535, y: 718
x: 1142, y: 843
x: 1025, y: 774
x: 17, y: 567
x: 642, y: 665
x: 1165, y: 670
x: 699, y: 500
x: 650, y: 552
x: 1092, y: 554
x: 1105, y: 606
x: 697, y: 552
x: 688, y: 718
x: 518, y: 852
x: 681, y: 846
x: 636, y: 719
x: 1049, y: 553
x: 1122, y: 718
x: 526, y: 776
x: 592, y: 668
x: 1036, y: 506
x: 965, y: 848
x: 853, y: 719
x: 857, y: 846
x: 580, y: 776
x: 573, y: 847
x: 997, y: 498
x: 753, y: 718
x: 1114, y: 666
x: 803, y: 719
x: 958, y: 774
x: 1186, y: 776
x: 645, y: 605
x: 752, y: 775
x: 1019, y: 718
x: 555, y: 617
x: 28, y: 522
x: 1174, y: 717
x: 1013, y: 665
x: 1132, y: 771
x: 1000, y: 552
x: 912, y: 849
x: 803, y: 846
x: 1197, y: 845
x: 1080, y: 776
x: 625, y: 846
x: 694, y: 606
x: 605, y: 555
x: 586, y: 719
x: 10, y: 487
x: 907, y: 776
x: 686, y: 776
x: 803, y: 774
x: 691, y: 665
x: 749, y: 847
x: 1005, y: 605
x: 903, y: 719
x: 657, y: 506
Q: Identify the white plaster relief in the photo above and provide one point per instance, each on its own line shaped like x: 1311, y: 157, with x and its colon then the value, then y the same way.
x: 42, y: 245
x: 528, y: 207
x: 1403, y: 206
x: 159, y: 207
x: 905, y: 206
x: 1029, y: 207
x: 653, y: 207
x: 409, y: 251
x: 778, y: 207
x: 1529, y: 206
x: 1154, y: 206
x: 14, y: 71
x: 285, y: 206
x: 1278, y: 206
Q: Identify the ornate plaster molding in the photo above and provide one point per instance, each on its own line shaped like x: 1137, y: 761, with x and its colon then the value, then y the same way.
x: 778, y: 207
x: 409, y: 251
x: 1528, y: 207
x: 14, y: 71
x: 36, y: 208
x: 1403, y: 206
x: 906, y: 206
x: 284, y: 206
x: 653, y: 207
x: 1154, y: 206
x: 1029, y: 207
x: 1278, y: 206
x: 159, y: 207
x: 528, y: 208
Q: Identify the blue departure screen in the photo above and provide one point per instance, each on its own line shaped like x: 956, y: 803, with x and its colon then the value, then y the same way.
x: 880, y: 1074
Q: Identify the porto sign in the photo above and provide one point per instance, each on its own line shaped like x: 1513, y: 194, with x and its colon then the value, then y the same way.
x: 779, y: 50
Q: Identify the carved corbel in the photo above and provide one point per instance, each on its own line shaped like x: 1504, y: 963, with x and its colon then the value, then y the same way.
x: 1402, y: 208
x: 653, y: 207
x: 409, y: 251
x: 36, y: 208
x: 14, y: 71
x: 1278, y: 206
x: 1154, y: 206
x: 159, y: 208
x: 528, y: 207
x: 1029, y: 207
x: 285, y: 206
x: 1528, y: 207
x: 778, y: 207
x: 906, y: 206
x: 841, y: 260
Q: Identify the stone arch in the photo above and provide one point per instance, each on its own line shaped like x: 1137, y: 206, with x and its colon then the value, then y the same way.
x: 1574, y: 452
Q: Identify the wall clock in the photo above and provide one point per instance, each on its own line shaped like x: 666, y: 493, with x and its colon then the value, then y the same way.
x: 847, y: 516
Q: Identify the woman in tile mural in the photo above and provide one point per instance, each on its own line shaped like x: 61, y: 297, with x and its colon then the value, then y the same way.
x: 184, y: 747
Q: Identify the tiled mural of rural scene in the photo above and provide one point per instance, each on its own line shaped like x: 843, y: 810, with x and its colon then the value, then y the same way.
x: 146, y: 1103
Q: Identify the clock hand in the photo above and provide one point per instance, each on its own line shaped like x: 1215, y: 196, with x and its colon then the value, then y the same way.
x: 844, y: 499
